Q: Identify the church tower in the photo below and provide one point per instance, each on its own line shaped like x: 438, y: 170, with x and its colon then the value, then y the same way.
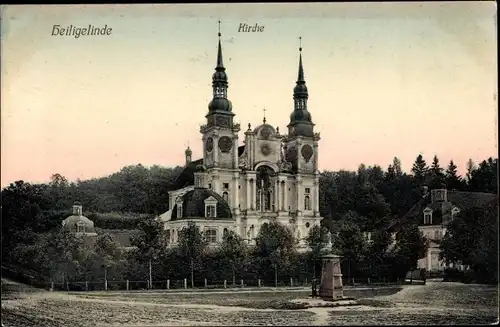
x: 220, y: 138
x: 301, y: 150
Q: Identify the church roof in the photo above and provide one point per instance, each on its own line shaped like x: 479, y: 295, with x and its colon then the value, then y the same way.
x: 186, y: 177
x: 459, y: 199
x: 193, y: 205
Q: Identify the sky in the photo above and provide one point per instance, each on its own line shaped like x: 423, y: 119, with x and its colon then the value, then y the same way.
x: 385, y: 80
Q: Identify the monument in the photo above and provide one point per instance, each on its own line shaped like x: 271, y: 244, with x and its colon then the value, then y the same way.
x: 331, y: 287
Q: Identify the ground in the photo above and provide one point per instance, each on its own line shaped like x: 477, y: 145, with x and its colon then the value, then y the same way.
x: 434, y: 303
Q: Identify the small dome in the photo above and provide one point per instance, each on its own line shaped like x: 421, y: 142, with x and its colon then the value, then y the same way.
x: 73, y: 222
x: 220, y: 104
x: 219, y: 76
x: 193, y: 205
x: 300, y: 115
x: 300, y: 89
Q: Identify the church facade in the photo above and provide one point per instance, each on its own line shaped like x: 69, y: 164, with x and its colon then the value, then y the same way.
x: 271, y: 177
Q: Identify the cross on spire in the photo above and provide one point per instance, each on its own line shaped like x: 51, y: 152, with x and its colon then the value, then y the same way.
x: 264, y: 120
x: 300, y: 43
x: 219, y: 29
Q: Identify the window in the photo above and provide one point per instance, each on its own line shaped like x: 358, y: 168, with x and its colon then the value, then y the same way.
x: 307, y: 225
x: 211, y: 235
x: 80, y: 227
x: 209, y: 186
x: 225, y: 196
x: 226, y: 186
x: 267, y: 201
x: 454, y: 212
x: 210, y: 211
x: 225, y: 231
x: 427, y: 216
x: 308, y: 190
x: 179, y: 210
x: 307, y: 203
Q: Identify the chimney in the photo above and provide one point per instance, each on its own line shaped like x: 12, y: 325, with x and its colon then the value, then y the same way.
x: 439, y: 194
x: 77, y: 209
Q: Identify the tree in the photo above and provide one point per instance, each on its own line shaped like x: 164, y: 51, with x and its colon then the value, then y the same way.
x: 317, y: 239
x: 410, y: 246
x: 485, y: 177
x: 275, y: 245
x: 471, y: 241
x: 351, y: 245
x: 377, y: 253
x: 192, y: 247
x: 396, y: 165
x: 436, y: 176
x: 419, y: 169
x: 108, y: 256
x: 151, y: 244
x: 232, y: 252
x: 471, y: 167
x: 453, y: 180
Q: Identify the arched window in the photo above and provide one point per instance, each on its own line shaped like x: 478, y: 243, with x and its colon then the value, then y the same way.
x: 211, y: 235
x: 225, y: 231
x: 307, y: 203
x: 225, y: 196
x: 265, y: 186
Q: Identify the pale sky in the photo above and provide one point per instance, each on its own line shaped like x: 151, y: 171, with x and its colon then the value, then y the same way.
x: 384, y: 80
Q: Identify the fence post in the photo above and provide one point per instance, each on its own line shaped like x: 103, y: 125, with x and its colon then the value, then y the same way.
x: 225, y: 283
x: 105, y: 284
x: 67, y: 286
x: 185, y: 283
x: 206, y: 285
x: 168, y: 284
x: 368, y: 280
x: 258, y: 281
x: 291, y: 282
x: 306, y: 280
x: 86, y: 286
x: 127, y: 285
x: 242, y: 283
x: 52, y: 286
x: 353, y: 282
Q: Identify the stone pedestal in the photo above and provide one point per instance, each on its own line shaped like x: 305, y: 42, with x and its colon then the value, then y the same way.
x: 331, y: 278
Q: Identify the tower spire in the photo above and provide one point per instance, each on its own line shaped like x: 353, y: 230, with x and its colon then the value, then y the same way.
x: 264, y: 120
x: 300, y: 78
x: 220, y: 64
x: 220, y: 108
x: 300, y: 119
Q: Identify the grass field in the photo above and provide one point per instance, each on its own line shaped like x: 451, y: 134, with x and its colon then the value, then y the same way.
x: 23, y: 306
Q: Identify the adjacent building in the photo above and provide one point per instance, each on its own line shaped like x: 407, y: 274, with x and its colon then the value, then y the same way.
x: 435, y: 211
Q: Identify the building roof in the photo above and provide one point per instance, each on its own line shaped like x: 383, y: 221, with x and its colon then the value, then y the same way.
x: 186, y: 177
x: 193, y: 205
x: 459, y: 199
x: 71, y: 223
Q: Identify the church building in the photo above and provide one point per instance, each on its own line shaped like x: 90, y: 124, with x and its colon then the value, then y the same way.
x: 233, y: 187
